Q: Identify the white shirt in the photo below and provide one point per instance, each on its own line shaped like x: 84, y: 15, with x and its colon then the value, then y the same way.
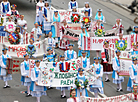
x: 70, y: 52
x: 37, y: 32
x: 22, y: 23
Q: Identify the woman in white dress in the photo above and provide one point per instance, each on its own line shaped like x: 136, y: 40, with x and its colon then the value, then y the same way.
x: 3, y: 73
x: 88, y: 8
x: 133, y: 74
x: 98, y: 73
x: 72, y: 3
x: 26, y: 81
x: 36, y: 90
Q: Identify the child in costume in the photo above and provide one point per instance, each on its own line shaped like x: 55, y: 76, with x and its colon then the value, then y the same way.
x: 133, y: 74
x: 5, y: 8
x: 37, y: 32
x: 63, y: 41
x: 81, y: 83
x: 99, y: 16
x: 63, y: 66
x: 10, y: 26
x: 26, y: 81
x: 98, y: 73
x: 36, y: 90
x: 46, y: 28
x: 121, y: 44
x: 72, y: 3
x: 73, y: 97
x: 107, y: 67
x: 83, y: 35
x: 118, y: 26
x: 86, y: 21
x: 88, y: 8
x: 70, y: 54
x: 50, y: 56
x: 22, y: 24
x: 14, y: 12
x: 116, y: 69
x: 135, y: 30
x: 3, y: 67
x: 135, y: 48
x: 31, y: 49
x: 39, y: 14
x: 85, y: 60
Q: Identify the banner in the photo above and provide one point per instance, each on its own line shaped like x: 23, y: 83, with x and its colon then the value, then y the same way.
x: 17, y: 51
x: 120, y: 98
x: 31, y: 66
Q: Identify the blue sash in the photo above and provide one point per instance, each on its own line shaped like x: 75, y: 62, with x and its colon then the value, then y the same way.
x: 26, y: 66
x: 4, y: 60
x: 45, y: 12
x: 98, y: 69
x: 36, y: 73
x: 118, y: 64
x: 135, y: 73
x: 70, y: 56
x: 85, y: 63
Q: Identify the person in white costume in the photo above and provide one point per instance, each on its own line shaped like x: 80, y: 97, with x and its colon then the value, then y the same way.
x: 88, y: 8
x: 73, y: 97
x: 70, y: 54
x: 36, y: 90
x: 39, y: 14
x: 133, y: 74
x: 3, y: 68
x: 72, y: 3
x: 37, y: 32
x: 26, y: 81
x: 98, y: 73
x: 116, y: 69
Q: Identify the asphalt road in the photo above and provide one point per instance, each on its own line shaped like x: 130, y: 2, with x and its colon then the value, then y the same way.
x: 110, y: 11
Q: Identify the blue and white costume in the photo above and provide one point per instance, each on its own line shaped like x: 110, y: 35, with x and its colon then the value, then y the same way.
x: 98, y: 84
x: 5, y: 8
x: 3, y: 63
x: 133, y: 76
x: 134, y: 32
x: 25, y: 72
x: 85, y: 62
x: 37, y: 33
x: 101, y: 18
x: 46, y: 28
x: 70, y: 54
x: 36, y: 91
x: 50, y: 42
x: 81, y: 44
x: 81, y: 80
x: 39, y: 14
x: 50, y: 58
x: 53, y: 27
x: 89, y: 10
x: 72, y: 4
x: 116, y: 67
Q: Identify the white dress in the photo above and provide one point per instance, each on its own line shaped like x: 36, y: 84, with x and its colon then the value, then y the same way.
x: 36, y: 91
x: 25, y: 72
x: 133, y: 76
x: 72, y: 4
x: 23, y: 25
x: 3, y: 62
x: 116, y: 78
x: 5, y: 8
x: 70, y: 54
x: 72, y: 100
x: 98, y: 84
x: 37, y: 33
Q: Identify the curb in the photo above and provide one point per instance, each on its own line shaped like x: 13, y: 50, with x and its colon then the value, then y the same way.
x: 120, y: 5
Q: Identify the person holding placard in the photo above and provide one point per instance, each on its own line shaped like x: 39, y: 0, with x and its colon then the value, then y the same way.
x: 107, y: 67
x: 3, y: 68
x: 36, y: 90
x: 116, y: 69
x: 70, y: 54
x: 63, y: 66
x: 80, y: 84
x: 72, y: 3
x: 26, y: 81
x: 88, y: 8
x: 98, y: 73
x: 73, y: 97
x: 82, y: 40
x: 133, y: 74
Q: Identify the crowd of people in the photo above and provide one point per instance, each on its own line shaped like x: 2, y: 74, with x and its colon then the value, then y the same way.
x: 45, y: 26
